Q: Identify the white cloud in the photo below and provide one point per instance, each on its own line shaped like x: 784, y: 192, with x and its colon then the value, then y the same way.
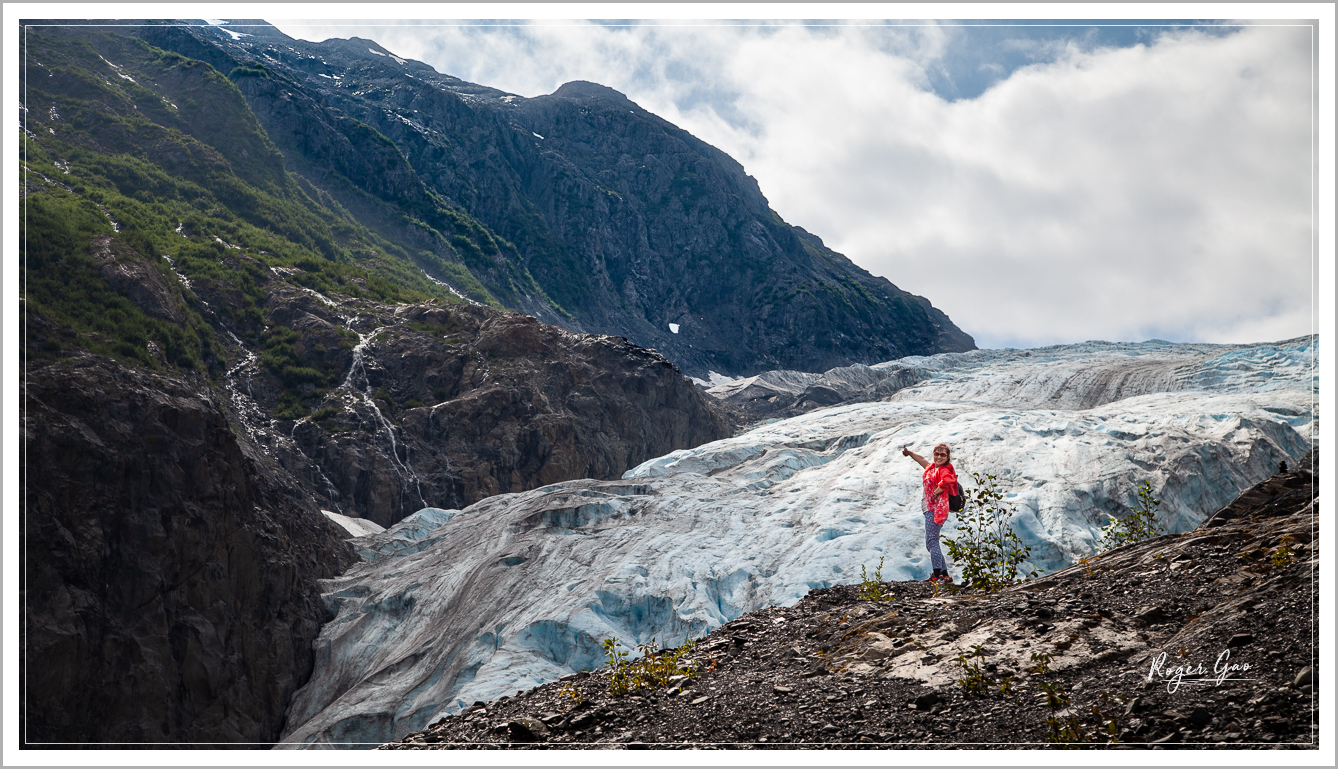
x: 1120, y: 194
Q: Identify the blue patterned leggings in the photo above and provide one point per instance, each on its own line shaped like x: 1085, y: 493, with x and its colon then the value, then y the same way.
x: 931, y: 541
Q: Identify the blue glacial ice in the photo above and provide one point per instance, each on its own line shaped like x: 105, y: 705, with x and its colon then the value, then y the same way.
x: 453, y: 606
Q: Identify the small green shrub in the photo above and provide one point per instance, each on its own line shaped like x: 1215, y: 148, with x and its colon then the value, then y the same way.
x: 1282, y: 555
x: 1138, y: 524
x: 1101, y: 724
x: 1041, y: 662
x: 651, y: 671
x: 571, y: 694
x: 323, y: 413
x: 988, y: 551
x: 290, y: 407
x: 973, y: 679
x: 873, y: 589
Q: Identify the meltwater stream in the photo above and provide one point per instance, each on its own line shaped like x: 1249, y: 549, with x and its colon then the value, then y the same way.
x: 357, y: 373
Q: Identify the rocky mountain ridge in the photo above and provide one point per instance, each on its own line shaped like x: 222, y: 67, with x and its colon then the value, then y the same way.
x: 578, y: 207
x: 1198, y: 640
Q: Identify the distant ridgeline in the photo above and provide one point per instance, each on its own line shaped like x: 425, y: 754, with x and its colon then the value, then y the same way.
x: 359, y: 172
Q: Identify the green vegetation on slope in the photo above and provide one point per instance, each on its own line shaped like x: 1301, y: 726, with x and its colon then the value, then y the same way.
x: 157, y: 160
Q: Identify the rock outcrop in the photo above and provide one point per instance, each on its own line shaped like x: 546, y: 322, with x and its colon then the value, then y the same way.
x: 1198, y: 640
x: 443, y: 405
x: 169, y: 577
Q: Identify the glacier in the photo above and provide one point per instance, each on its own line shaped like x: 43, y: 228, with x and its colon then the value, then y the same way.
x: 453, y: 606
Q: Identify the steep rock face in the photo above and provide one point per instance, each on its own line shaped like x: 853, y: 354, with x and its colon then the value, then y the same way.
x: 444, y: 405
x: 128, y: 273
x: 169, y: 581
x: 599, y: 216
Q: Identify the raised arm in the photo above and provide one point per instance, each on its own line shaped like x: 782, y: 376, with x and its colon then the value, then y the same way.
x: 905, y: 452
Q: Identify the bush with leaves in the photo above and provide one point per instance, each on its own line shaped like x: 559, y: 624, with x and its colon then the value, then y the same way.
x: 652, y: 670
x: 973, y: 679
x: 1282, y: 555
x: 987, y: 550
x: 873, y: 589
x: 1100, y: 723
x: 1138, y: 524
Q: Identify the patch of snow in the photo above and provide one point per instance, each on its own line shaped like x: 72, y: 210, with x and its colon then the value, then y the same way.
x: 117, y: 69
x: 185, y: 281
x: 673, y: 327
x: 520, y: 589
x: 450, y: 288
x: 720, y: 379
x: 537, y: 135
x: 325, y: 300
x: 356, y: 527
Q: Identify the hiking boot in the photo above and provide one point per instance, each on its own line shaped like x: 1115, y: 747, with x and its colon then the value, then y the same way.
x: 938, y: 574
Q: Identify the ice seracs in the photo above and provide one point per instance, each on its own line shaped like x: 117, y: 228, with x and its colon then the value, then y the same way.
x: 519, y: 589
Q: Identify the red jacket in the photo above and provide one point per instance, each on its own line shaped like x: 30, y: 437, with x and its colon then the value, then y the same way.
x: 942, y: 477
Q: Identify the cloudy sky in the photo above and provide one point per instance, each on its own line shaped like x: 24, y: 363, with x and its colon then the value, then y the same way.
x: 1041, y: 183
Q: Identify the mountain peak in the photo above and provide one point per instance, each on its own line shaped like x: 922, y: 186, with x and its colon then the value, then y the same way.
x: 584, y: 89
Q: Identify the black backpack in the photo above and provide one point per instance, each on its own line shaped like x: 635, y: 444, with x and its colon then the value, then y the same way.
x: 956, y: 501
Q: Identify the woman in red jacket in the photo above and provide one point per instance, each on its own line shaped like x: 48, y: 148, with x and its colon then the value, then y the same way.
x: 940, y: 480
